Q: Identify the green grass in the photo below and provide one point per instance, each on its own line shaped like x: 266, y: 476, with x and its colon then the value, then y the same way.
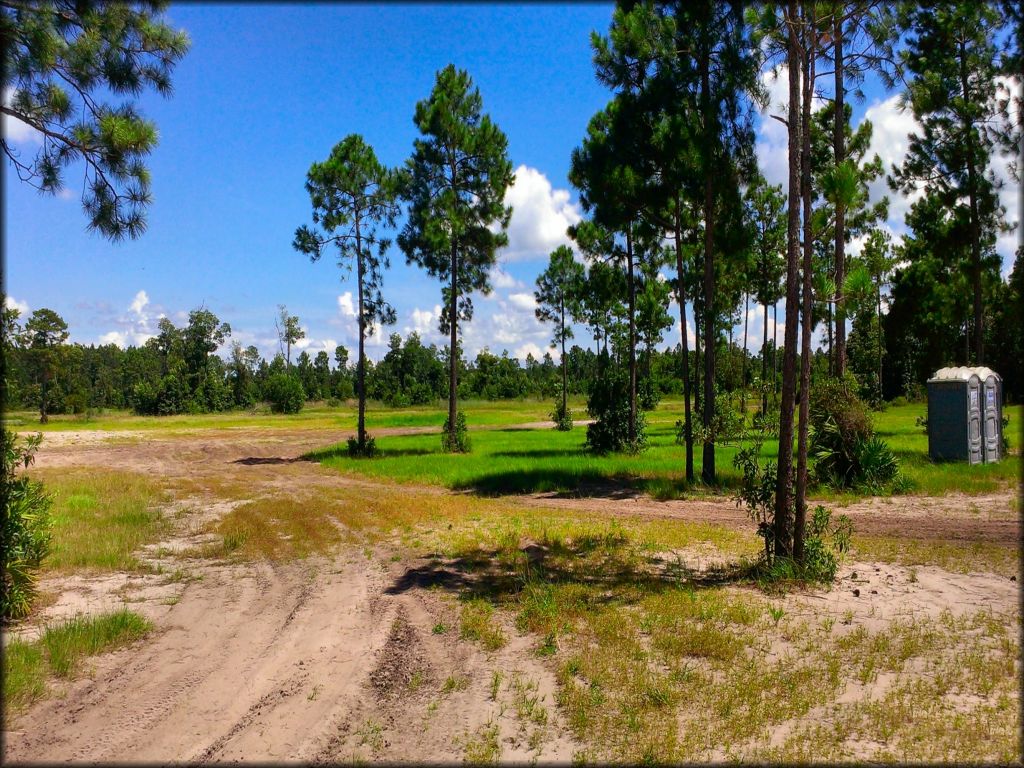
x: 313, y: 416
x: 540, y: 460
x: 60, y: 652
x: 100, y: 519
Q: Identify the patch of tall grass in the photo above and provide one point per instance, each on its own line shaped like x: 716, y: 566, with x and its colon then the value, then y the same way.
x: 101, y: 518
x: 60, y: 652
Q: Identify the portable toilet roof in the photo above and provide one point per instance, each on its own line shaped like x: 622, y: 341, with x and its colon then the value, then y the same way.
x: 962, y: 373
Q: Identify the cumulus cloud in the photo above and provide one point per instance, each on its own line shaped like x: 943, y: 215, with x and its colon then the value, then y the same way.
x: 345, y: 305
x: 137, y: 325
x: 11, y: 303
x: 313, y: 346
x: 538, y: 354
x: 523, y: 301
x: 772, y: 145
x: 890, y: 138
x: 502, y: 279
x: 540, y: 216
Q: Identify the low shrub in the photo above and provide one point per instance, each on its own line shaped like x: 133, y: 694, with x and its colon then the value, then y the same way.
x: 366, y: 450
x: 461, y: 443
x: 727, y: 425
x: 25, y: 527
x: 285, y: 393
x: 608, y: 405
x: 562, y: 416
x: 843, y: 445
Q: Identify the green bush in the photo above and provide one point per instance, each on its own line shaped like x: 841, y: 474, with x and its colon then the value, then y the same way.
x: 365, y: 451
x: 727, y: 425
x: 25, y: 527
x: 285, y: 393
x: 461, y: 444
x: 562, y: 417
x: 843, y: 445
x: 608, y: 405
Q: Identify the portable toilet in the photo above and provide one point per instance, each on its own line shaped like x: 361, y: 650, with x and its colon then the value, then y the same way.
x: 964, y: 409
x: 992, y: 412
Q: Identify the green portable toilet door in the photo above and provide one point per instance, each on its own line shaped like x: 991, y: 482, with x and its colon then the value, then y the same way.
x: 990, y: 417
x: 975, y: 444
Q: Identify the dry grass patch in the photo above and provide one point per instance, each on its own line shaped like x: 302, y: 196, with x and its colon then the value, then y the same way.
x: 101, y: 519
x: 276, y: 528
x: 954, y: 556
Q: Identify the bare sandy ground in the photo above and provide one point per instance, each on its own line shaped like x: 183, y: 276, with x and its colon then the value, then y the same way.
x: 337, y: 659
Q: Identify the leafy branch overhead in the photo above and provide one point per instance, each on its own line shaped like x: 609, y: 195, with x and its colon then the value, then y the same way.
x: 62, y: 61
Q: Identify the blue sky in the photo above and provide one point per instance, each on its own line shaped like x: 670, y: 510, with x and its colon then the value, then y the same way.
x: 265, y: 91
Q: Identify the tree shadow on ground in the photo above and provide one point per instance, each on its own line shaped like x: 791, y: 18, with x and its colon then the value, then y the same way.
x: 341, y: 452
x: 259, y: 460
x: 570, y: 483
x: 539, y: 453
x: 610, y: 566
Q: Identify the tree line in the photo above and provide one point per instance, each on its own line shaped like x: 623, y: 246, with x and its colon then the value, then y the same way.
x: 181, y: 370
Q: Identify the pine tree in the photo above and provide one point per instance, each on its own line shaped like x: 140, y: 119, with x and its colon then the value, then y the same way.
x: 456, y: 182
x: 952, y: 53
x: 353, y: 198
x: 61, y: 60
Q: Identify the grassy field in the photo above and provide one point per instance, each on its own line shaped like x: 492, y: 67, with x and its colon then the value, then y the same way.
x: 315, y: 416
x: 519, y: 461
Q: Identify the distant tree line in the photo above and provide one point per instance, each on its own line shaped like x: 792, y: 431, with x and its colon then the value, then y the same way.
x: 180, y: 370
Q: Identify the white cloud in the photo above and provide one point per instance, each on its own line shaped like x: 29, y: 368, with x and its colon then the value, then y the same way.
x: 114, y: 337
x: 890, y: 138
x: 424, y: 322
x: 345, y: 305
x: 772, y: 145
x: 523, y: 301
x: 540, y: 216
x: 11, y: 303
x: 14, y: 130
x: 502, y: 279
x: 139, y: 303
x: 538, y: 354
x: 312, y: 346
x: 137, y: 324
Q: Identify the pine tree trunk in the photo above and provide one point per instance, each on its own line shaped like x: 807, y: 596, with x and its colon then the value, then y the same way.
x: 681, y: 290
x: 361, y: 427
x: 707, y: 470
x: 453, y: 357
x: 784, y: 481
x: 632, y: 335
x: 764, y: 363
x: 743, y: 373
x: 799, y: 523
x: 972, y: 196
x: 564, y: 377
x: 839, y: 148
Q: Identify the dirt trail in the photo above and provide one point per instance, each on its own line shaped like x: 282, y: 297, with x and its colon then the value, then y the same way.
x: 312, y: 662
x: 338, y: 659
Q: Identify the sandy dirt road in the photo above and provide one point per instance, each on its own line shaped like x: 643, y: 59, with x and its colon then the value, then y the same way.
x: 337, y: 659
